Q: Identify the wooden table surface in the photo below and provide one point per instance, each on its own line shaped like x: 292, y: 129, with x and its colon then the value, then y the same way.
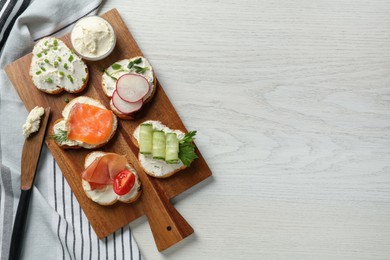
x: 291, y: 100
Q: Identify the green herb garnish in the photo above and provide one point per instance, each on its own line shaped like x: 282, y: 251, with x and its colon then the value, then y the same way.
x: 55, y: 42
x: 60, y: 137
x: 59, y: 59
x: 66, y: 66
x: 62, y: 74
x: 55, y: 48
x: 49, y: 80
x: 47, y: 61
x: 108, y: 74
x: 83, y: 79
x: 46, y: 42
x: 70, y: 78
x: 45, y: 52
x: 42, y: 68
x: 137, y: 61
x: 55, y: 63
x: 38, y: 72
x: 70, y: 58
x: 140, y: 69
x: 39, y: 55
x: 116, y: 66
x: 130, y: 65
x: 187, y: 149
x: 66, y: 100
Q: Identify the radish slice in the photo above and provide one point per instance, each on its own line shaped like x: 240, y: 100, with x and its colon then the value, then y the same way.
x: 123, y: 106
x: 132, y: 87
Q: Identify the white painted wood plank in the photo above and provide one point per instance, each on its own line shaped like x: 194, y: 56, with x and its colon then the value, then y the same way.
x: 291, y: 100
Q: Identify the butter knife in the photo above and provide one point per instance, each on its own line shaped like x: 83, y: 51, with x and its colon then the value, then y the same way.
x: 30, y: 157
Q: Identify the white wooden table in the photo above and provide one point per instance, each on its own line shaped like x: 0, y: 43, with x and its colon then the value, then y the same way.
x: 291, y: 100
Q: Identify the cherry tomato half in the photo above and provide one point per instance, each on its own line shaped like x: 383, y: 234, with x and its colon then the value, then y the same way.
x: 124, y: 182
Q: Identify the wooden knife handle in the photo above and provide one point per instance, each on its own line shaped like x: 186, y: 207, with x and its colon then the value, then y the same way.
x: 167, y: 225
x: 19, y: 224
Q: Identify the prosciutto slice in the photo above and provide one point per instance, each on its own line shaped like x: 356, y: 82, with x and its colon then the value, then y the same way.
x: 103, y: 170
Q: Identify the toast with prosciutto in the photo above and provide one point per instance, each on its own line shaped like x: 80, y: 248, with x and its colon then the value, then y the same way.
x: 163, y: 151
x: 108, y: 178
x: 130, y: 83
x: 54, y: 67
x: 86, y: 123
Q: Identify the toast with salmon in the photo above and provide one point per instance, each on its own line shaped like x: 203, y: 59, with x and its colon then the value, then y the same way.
x: 54, y: 67
x: 163, y: 151
x: 130, y: 83
x: 86, y: 123
x: 108, y: 178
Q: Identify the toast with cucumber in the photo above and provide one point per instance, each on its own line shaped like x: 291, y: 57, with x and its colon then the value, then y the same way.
x: 163, y: 151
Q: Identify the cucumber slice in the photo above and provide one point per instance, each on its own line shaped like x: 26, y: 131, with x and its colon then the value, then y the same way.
x: 172, y: 148
x: 146, y: 139
x: 159, y: 145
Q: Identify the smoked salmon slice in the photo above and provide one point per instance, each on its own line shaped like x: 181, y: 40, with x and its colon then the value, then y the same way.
x: 89, y: 124
x: 103, y: 170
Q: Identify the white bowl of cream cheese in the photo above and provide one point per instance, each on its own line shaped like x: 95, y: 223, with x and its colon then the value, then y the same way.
x: 93, y: 38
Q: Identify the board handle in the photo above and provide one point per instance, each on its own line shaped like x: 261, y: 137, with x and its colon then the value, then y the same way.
x: 167, y: 225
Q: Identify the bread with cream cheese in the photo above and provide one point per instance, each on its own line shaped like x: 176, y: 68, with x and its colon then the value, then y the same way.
x: 54, y: 67
x: 121, y: 67
x: 154, y: 167
x: 61, y: 125
x: 106, y: 196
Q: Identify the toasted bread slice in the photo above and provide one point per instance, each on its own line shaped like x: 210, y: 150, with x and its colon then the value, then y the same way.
x: 106, y: 196
x: 54, y: 67
x: 60, y: 128
x: 120, y: 68
x: 154, y: 167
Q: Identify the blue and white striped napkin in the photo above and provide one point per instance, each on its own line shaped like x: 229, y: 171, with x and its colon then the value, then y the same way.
x: 57, y: 227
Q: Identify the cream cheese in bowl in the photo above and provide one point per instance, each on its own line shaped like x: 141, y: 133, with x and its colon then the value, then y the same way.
x: 93, y: 38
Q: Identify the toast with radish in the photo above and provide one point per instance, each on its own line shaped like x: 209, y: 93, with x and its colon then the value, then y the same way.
x: 163, y: 151
x: 108, y: 178
x: 54, y: 67
x: 86, y: 123
x: 130, y: 83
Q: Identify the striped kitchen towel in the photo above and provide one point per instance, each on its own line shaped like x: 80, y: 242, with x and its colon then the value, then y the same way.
x: 57, y: 227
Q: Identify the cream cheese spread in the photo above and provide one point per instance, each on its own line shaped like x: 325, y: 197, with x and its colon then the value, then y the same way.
x: 93, y: 37
x: 33, y: 121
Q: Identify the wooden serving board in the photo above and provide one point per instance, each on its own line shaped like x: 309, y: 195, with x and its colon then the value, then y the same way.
x: 156, y: 192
